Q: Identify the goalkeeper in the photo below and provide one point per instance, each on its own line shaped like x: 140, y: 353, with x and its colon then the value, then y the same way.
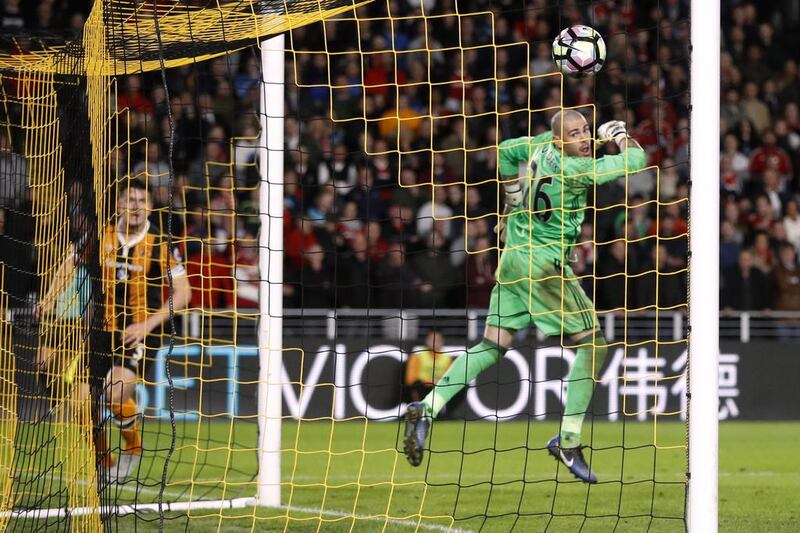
x: 543, y: 214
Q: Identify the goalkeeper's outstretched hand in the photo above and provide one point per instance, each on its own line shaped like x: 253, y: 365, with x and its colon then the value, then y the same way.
x: 613, y: 130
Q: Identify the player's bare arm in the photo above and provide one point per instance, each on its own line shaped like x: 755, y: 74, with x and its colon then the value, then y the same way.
x: 57, y: 283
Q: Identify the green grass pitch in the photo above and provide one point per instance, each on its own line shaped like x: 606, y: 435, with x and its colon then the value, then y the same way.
x: 490, y: 477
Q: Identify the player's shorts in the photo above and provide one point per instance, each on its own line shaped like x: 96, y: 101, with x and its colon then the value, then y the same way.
x: 107, y: 351
x: 543, y: 291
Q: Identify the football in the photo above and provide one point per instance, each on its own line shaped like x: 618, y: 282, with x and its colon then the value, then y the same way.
x: 579, y: 51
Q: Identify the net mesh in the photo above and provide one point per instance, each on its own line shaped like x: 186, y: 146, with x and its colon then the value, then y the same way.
x: 394, y: 114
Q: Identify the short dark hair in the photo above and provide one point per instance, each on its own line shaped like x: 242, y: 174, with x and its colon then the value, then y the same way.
x: 135, y: 183
x: 557, y: 122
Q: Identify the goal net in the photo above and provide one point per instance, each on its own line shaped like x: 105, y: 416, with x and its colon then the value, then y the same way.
x: 241, y: 236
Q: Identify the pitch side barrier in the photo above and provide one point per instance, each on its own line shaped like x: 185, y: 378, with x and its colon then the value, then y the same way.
x: 359, y: 379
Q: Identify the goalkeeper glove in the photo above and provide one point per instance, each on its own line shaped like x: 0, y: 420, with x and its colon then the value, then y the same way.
x: 612, y: 130
x: 515, y: 193
x: 500, y: 229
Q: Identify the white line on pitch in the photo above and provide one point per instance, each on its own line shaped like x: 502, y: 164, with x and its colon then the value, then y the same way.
x: 498, y: 477
x: 129, y: 486
x: 394, y: 521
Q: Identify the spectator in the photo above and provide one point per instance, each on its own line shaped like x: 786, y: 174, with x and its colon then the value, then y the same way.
x: 789, y: 82
x: 401, y: 119
x: 769, y: 155
x: 611, y: 278
x: 245, y: 152
x: 788, y: 140
x: 791, y: 223
x: 353, y: 278
x: 249, y: 77
x: 11, y: 16
x: 292, y: 197
x: 349, y: 223
x: 761, y: 219
x: 316, y: 280
x: 371, y: 205
x: 673, y: 237
x: 394, y: 279
x: 755, y: 68
x: 375, y: 241
x: 154, y: 167
x: 773, y: 190
x: 669, y: 179
x: 730, y: 107
x: 210, y: 274
x: 300, y: 239
x: 748, y: 138
x: 426, y: 366
x: 786, y: 277
x: 246, y: 272
x: 475, y: 207
x: 754, y: 109
x: 659, y: 285
x: 133, y: 98
x: 434, y: 271
x: 207, y: 168
x: 401, y: 227
x: 479, y: 273
x: 324, y: 206
x: 744, y: 287
x: 408, y: 194
x: 338, y: 171
x: 436, y: 209
x: 729, y: 246
x: 763, y: 257
x: 465, y: 243
x: 738, y: 163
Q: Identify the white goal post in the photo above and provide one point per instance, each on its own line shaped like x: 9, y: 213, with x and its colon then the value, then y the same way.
x: 270, y: 262
x: 702, y: 503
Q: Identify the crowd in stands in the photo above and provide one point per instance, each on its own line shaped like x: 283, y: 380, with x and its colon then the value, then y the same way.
x: 392, y: 203
x: 760, y: 158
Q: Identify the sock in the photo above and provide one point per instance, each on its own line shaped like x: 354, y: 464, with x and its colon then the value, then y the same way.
x: 127, y: 417
x: 580, y: 386
x: 463, y: 370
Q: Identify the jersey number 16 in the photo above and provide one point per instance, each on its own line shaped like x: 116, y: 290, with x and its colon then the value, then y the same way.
x: 542, y: 206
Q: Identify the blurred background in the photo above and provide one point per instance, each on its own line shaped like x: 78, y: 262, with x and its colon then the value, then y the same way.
x: 354, y: 238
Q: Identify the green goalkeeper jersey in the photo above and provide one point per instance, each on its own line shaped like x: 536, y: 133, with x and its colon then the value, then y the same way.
x: 550, y: 219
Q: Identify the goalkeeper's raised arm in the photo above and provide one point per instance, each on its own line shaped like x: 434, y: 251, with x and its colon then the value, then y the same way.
x: 569, y: 141
x: 561, y: 163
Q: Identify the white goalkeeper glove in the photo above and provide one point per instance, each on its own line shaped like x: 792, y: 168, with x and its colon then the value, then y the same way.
x: 613, y: 130
x: 515, y: 193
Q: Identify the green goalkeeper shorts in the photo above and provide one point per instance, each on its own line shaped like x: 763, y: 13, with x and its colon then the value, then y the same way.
x: 543, y: 291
